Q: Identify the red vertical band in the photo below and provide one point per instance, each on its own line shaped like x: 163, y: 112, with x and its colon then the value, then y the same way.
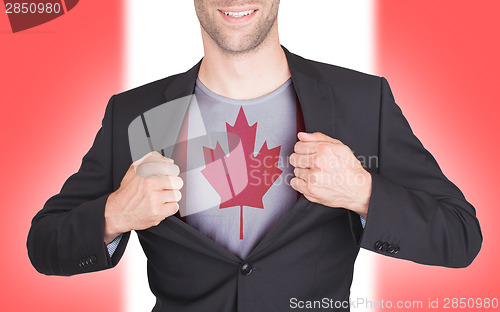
x: 441, y: 60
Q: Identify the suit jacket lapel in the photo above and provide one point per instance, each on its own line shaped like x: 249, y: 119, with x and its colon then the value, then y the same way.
x: 183, y: 85
x: 316, y: 99
x: 317, y: 104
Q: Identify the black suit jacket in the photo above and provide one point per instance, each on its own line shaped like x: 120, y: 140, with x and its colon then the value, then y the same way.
x: 415, y: 212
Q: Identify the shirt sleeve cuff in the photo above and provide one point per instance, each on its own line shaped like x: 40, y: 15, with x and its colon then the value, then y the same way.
x: 112, y: 246
x: 363, y: 222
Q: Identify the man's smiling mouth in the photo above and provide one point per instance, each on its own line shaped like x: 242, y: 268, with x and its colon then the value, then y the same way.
x: 238, y: 14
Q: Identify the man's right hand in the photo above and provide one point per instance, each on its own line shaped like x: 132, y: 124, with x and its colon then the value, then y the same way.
x: 148, y: 193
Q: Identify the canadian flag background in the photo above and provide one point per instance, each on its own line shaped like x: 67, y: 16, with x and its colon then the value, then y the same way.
x: 440, y: 57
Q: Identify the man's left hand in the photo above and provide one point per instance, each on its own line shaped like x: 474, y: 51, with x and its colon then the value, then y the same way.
x: 327, y: 172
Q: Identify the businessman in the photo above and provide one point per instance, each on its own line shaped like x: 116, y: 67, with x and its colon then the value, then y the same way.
x: 253, y: 246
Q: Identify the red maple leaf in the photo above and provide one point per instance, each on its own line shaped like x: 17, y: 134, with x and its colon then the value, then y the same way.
x: 241, y: 179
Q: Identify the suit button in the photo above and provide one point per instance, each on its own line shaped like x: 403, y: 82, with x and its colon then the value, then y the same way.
x: 396, y: 249
x: 93, y: 260
x: 246, y: 269
x: 390, y: 248
x: 384, y: 246
x: 378, y: 245
x: 83, y: 263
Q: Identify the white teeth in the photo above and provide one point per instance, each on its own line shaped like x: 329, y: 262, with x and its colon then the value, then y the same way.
x: 239, y: 14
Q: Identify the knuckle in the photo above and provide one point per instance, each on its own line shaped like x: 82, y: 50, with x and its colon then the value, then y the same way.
x: 301, y: 161
x: 172, y: 208
x: 172, y: 169
x: 171, y: 182
x: 296, y: 147
x: 156, y: 184
x: 314, y: 177
x: 316, y: 161
x: 178, y: 182
x: 314, y: 171
x: 305, y: 162
x: 311, y: 179
x: 323, y: 148
x: 143, y: 166
x: 177, y: 195
x: 142, y: 170
x: 177, y: 169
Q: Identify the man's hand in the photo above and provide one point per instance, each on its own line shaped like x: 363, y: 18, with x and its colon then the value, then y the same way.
x: 148, y: 193
x: 327, y: 172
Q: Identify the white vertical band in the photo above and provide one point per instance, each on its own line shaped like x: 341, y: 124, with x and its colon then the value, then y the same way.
x: 163, y: 38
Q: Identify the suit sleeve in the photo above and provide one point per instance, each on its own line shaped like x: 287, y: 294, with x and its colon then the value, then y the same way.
x: 415, y: 212
x: 67, y: 236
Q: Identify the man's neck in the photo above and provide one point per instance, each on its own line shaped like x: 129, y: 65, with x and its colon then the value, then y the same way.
x: 244, y: 76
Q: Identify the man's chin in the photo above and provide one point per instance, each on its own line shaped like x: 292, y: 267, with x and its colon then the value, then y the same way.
x: 239, y: 50
x: 240, y: 45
